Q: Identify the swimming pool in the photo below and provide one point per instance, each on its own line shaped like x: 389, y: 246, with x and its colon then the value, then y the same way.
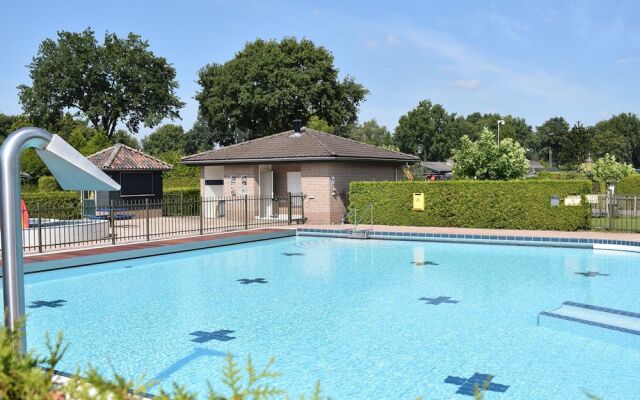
x: 369, y: 319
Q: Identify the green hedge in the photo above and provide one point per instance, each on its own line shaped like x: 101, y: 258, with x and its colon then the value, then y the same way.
x: 48, y: 184
x: 522, y: 204
x: 58, y: 205
x: 181, y: 201
x: 629, y: 185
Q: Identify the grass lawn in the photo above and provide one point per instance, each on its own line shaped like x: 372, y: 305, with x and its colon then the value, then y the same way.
x: 625, y: 224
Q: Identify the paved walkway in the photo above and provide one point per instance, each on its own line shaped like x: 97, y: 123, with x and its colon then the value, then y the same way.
x: 496, y: 232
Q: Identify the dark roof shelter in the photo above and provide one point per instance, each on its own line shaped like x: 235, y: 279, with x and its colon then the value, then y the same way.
x: 139, y: 174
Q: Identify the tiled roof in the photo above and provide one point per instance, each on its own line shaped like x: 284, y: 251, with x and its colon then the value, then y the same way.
x: 124, y: 158
x: 438, y: 166
x: 308, y: 145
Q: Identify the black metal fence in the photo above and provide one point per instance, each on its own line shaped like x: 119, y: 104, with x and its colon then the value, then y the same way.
x: 53, y: 227
x: 615, y: 212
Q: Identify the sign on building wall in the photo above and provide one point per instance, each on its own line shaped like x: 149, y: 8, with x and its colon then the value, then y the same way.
x: 572, y: 201
x: 232, y: 182
x: 243, y: 184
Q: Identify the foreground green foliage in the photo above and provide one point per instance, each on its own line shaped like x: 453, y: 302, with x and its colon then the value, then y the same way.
x: 485, y: 159
x: 521, y: 204
x: 22, y: 378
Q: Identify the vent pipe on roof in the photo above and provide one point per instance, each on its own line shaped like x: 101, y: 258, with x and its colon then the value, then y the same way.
x: 297, y: 125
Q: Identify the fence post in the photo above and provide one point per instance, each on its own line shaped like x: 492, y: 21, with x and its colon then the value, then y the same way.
x: 112, y: 222
x: 146, y: 218
x: 201, y: 215
x: 302, y: 208
x: 289, y: 211
x: 611, y: 212
x: 246, y: 212
x: 39, y: 228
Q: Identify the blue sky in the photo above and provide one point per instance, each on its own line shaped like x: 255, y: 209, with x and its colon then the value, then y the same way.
x: 534, y: 59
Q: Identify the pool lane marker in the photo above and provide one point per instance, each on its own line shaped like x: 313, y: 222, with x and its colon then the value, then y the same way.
x: 481, y: 381
x: 591, y: 274
x: 436, y: 301
x: 204, y: 337
x: 245, y: 281
x: 423, y: 263
x: 292, y: 254
x: 50, y: 304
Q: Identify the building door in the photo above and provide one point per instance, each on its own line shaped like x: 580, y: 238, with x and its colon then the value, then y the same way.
x: 213, y: 204
x: 266, y: 193
x: 294, y: 186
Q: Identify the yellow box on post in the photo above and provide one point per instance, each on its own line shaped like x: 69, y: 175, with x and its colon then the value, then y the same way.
x: 418, y: 202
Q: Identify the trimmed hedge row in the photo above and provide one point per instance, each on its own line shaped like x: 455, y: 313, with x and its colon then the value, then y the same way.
x: 629, y: 185
x: 474, y: 204
x: 58, y: 205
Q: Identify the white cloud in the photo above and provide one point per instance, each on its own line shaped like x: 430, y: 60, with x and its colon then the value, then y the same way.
x: 467, y: 84
x: 626, y: 60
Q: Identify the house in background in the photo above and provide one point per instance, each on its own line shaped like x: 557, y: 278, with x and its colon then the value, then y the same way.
x: 438, y: 170
x: 139, y: 176
x: 302, y: 160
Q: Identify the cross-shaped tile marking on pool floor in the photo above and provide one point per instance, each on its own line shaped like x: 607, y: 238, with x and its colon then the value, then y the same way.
x: 482, y: 381
x: 221, y: 335
x: 51, y: 304
x: 438, y: 300
x: 292, y: 254
x: 423, y: 263
x: 591, y: 274
x: 245, y: 281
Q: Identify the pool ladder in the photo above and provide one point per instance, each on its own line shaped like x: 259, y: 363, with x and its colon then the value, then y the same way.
x: 356, y: 233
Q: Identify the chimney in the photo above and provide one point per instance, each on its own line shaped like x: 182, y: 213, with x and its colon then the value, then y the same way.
x: 297, y: 125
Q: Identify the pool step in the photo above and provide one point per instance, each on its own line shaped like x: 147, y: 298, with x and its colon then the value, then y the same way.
x: 358, y: 233
x: 621, y: 327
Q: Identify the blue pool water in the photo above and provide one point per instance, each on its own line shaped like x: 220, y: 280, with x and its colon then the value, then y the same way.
x: 369, y: 319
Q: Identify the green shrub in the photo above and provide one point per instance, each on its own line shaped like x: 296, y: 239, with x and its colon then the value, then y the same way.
x: 521, y: 204
x: 181, y: 201
x: 58, y: 205
x: 561, y: 175
x: 629, y: 185
x: 48, y: 184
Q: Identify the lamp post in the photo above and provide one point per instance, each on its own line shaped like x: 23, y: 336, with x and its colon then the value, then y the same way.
x: 500, y: 122
x: 72, y: 171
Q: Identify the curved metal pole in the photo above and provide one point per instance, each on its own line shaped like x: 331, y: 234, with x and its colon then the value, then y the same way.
x: 11, y: 223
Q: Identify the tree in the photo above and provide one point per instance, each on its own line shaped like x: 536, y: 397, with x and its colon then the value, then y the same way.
x: 620, y: 136
x: 607, y: 170
x: 120, y: 80
x: 485, y: 159
x: 372, y: 133
x: 551, y: 136
x: 432, y: 128
x: 575, y: 145
x: 165, y: 139
x: 199, y: 138
x: 268, y: 84
x: 515, y: 128
x: 319, y: 124
x: 124, y: 137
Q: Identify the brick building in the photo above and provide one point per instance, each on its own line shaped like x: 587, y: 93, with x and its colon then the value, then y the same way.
x: 302, y: 160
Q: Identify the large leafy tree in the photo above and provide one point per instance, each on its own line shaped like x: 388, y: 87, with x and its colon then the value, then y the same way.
x: 619, y: 136
x: 167, y: 138
x: 118, y: 81
x: 199, y: 138
x: 551, y: 136
x: 430, y: 127
x: 575, y: 145
x: 269, y: 83
x: 372, y: 133
x: 485, y: 159
x: 515, y: 128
